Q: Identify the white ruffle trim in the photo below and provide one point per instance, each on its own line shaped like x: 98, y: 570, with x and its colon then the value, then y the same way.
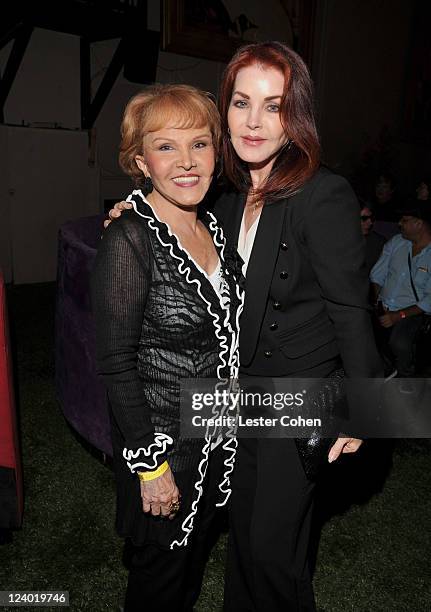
x: 153, y: 451
x: 231, y: 352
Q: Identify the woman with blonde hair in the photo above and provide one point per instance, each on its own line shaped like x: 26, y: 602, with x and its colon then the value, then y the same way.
x: 166, y: 304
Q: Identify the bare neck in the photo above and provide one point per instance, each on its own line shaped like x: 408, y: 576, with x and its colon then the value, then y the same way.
x: 420, y: 242
x: 260, y: 172
x: 180, y: 218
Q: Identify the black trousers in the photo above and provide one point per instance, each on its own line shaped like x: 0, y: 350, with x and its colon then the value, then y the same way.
x: 163, y: 580
x: 270, y: 517
x: 401, y: 342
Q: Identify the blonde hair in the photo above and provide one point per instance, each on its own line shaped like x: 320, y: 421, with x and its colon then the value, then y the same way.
x: 159, y: 106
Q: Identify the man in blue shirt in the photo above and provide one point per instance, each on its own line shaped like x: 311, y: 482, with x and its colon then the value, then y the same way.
x: 401, y: 280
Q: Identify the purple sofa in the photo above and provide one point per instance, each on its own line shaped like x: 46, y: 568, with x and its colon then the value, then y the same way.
x: 81, y: 394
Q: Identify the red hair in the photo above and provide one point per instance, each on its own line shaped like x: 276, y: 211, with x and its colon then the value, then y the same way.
x: 158, y: 106
x: 296, y: 163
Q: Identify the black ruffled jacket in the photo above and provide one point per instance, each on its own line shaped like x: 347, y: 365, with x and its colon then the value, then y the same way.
x: 158, y: 319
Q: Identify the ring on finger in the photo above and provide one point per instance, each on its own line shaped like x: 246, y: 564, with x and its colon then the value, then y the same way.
x: 174, y: 507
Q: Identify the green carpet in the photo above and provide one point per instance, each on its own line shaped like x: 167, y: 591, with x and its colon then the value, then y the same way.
x: 374, y: 550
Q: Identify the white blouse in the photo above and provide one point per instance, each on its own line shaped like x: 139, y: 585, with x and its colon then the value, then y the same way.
x: 246, y: 241
x: 215, y: 278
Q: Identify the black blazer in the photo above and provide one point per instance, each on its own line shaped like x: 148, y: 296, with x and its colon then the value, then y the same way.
x: 306, y: 286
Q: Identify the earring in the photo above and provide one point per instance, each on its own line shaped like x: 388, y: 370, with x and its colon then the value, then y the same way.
x: 148, y: 185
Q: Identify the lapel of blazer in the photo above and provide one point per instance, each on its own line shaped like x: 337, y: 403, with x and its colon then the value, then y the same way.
x: 259, y: 275
x: 232, y: 219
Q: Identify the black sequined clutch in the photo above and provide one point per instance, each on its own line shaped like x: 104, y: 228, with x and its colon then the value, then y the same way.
x: 326, y: 401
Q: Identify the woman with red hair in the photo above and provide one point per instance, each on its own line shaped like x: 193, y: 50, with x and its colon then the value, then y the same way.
x: 305, y: 314
x: 305, y: 311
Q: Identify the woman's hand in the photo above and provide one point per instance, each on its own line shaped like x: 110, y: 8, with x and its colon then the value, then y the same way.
x: 115, y: 212
x: 343, y: 445
x: 158, y: 494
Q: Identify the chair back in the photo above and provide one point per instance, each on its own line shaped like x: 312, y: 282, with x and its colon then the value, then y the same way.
x: 79, y: 389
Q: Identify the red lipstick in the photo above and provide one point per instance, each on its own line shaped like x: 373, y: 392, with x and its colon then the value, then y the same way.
x: 252, y: 141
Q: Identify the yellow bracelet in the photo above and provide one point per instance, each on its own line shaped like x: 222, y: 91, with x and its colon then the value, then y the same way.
x: 146, y: 476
